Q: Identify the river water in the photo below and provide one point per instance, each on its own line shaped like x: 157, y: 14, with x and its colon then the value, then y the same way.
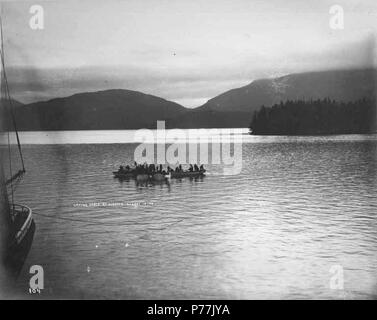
x: 298, y: 221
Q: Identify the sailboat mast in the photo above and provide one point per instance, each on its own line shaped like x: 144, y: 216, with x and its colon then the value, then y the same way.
x: 5, y: 217
x: 7, y: 94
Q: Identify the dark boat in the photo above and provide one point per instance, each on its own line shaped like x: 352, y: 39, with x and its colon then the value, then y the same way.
x: 21, y: 239
x: 151, y: 177
x: 17, y: 226
x: 143, y: 177
x: 124, y: 175
x: 157, y: 176
x: 185, y: 174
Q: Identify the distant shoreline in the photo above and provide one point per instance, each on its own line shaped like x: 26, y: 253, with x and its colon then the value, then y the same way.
x: 121, y: 137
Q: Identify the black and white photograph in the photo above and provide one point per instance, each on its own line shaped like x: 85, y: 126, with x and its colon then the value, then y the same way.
x: 209, y: 150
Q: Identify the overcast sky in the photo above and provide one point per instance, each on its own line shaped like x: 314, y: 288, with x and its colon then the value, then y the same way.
x: 185, y: 51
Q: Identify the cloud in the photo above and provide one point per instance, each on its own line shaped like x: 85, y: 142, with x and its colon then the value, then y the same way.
x: 188, y: 83
x: 185, y: 52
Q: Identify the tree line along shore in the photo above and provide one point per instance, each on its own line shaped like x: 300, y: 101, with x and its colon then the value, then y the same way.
x: 313, y: 117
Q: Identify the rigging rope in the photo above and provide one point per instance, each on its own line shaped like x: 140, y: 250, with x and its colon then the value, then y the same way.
x: 67, y: 219
x: 10, y: 169
x: 7, y: 92
x: 14, y: 181
x: 9, y: 107
x: 99, y: 222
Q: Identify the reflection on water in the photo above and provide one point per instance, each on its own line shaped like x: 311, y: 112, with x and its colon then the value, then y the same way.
x: 299, y: 206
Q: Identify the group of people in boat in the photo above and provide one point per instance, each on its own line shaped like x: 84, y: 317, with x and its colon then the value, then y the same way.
x: 153, y: 169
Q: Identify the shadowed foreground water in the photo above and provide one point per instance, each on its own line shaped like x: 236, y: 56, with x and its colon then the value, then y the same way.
x: 299, y: 207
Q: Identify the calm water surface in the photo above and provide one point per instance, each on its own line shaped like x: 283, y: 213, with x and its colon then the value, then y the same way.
x: 300, y: 206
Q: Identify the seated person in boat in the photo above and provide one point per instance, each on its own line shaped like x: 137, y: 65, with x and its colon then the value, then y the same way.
x: 191, y: 169
x: 196, y: 168
x: 202, y: 168
x: 141, y: 169
x: 123, y: 169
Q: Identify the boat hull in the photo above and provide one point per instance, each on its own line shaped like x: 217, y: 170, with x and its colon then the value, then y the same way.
x: 142, y: 177
x: 18, y: 252
x: 124, y: 175
x: 159, y: 177
x: 193, y: 174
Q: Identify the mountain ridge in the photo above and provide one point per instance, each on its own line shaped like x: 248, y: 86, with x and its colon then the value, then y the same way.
x: 129, y: 109
x: 99, y: 110
x: 341, y: 85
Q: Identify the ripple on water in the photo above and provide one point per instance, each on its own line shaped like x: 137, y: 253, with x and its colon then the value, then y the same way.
x: 299, y: 206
